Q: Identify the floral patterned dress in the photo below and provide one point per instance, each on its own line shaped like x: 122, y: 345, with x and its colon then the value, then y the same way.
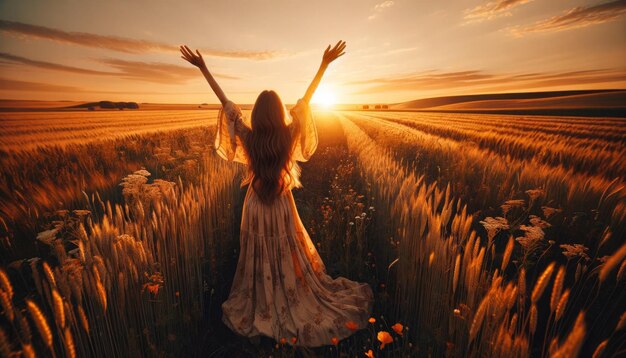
x: 281, y: 288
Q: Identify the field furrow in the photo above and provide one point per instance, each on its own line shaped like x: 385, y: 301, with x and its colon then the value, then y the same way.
x: 483, y: 178
x: 591, y: 157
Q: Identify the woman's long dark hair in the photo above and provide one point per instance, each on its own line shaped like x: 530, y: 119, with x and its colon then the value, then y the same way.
x: 269, y: 148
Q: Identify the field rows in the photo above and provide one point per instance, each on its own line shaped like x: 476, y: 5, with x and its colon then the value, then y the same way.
x: 587, y: 155
x: 483, y: 237
x: 575, y: 128
x: 27, y: 130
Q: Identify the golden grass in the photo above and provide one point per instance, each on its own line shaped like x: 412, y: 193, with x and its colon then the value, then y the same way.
x: 23, y: 131
x: 130, y: 274
x: 431, y: 221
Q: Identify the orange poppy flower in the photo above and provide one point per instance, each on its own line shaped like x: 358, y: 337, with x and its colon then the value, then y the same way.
x: 334, y: 341
x: 397, y: 328
x: 385, y: 338
x: 372, y: 320
x: 283, y: 340
x: 351, y: 325
x: 369, y: 354
x: 294, y: 340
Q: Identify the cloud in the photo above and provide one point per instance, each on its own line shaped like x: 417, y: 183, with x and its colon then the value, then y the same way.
x: 492, y: 9
x: 7, y: 84
x: 15, y: 85
x: 435, y: 80
x: 579, y: 16
x: 12, y: 59
x: 378, y: 8
x: 155, y: 72
x: 115, y: 43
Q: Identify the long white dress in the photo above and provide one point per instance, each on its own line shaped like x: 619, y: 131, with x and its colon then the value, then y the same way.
x: 281, y: 288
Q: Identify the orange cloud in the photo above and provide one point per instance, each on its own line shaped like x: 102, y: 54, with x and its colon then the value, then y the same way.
x: 473, y: 80
x: 13, y: 59
x: 115, y: 43
x: 493, y: 9
x: 15, y: 85
x: 155, y: 72
x: 579, y: 16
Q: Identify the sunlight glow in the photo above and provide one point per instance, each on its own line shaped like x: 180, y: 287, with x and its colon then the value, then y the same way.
x: 325, y: 97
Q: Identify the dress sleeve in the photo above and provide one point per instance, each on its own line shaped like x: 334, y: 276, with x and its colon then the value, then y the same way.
x: 303, y: 131
x: 231, y: 133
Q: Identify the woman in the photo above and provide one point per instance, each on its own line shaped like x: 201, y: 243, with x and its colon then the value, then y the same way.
x: 280, y: 288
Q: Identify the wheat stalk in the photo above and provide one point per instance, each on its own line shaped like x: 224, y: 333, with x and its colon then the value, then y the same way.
x: 6, y: 283
x: 542, y: 283
x: 70, y: 349
x: 49, y: 274
x: 613, y: 261
x: 533, y: 318
x: 7, y: 305
x: 600, y: 349
x: 457, y: 267
x: 40, y: 322
x: 57, y: 305
x: 574, y: 340
x: 560, y: 308
x: 507, y: 253
x: 557, y: 288
x: 478, y: 317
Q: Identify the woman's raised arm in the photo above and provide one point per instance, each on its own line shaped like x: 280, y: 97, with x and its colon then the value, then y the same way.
x: 329, y: 56
x: 197, y: 60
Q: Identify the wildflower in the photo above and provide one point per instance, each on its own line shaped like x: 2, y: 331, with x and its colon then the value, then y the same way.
x: 537, y: 221
x: 385, y: 338
x: 512, y: 204
x: 294, y: 340
x: 494, y: 225
x: 532, y: 232
x: 334, y: 341
x: 47, y: 236
x: 548, y: 211
x: 351, y: 325
x: 572, y: 251
x: 397, y: 328
x: 372, y: 320
x: 533, y: 194
x: 283, y: 340
x: 369, y: 354
x: 152, y: 287
x: 142, y: 172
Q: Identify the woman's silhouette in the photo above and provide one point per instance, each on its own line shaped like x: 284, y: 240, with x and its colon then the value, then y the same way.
x: 281, y: 288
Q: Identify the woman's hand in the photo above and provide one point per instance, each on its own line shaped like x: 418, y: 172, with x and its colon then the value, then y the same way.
x: 331, y: 55
x: 192, y: 58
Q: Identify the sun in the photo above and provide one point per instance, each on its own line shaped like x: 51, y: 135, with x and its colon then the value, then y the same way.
x: 324, y: 97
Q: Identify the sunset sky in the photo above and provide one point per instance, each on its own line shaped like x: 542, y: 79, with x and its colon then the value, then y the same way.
x: 397, y: 50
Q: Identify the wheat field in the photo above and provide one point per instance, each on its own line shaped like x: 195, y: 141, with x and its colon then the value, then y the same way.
x: 482, y: 235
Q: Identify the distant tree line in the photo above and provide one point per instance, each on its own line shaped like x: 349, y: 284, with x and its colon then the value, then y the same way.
x: 114, y: 105
x: 377, y: 106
